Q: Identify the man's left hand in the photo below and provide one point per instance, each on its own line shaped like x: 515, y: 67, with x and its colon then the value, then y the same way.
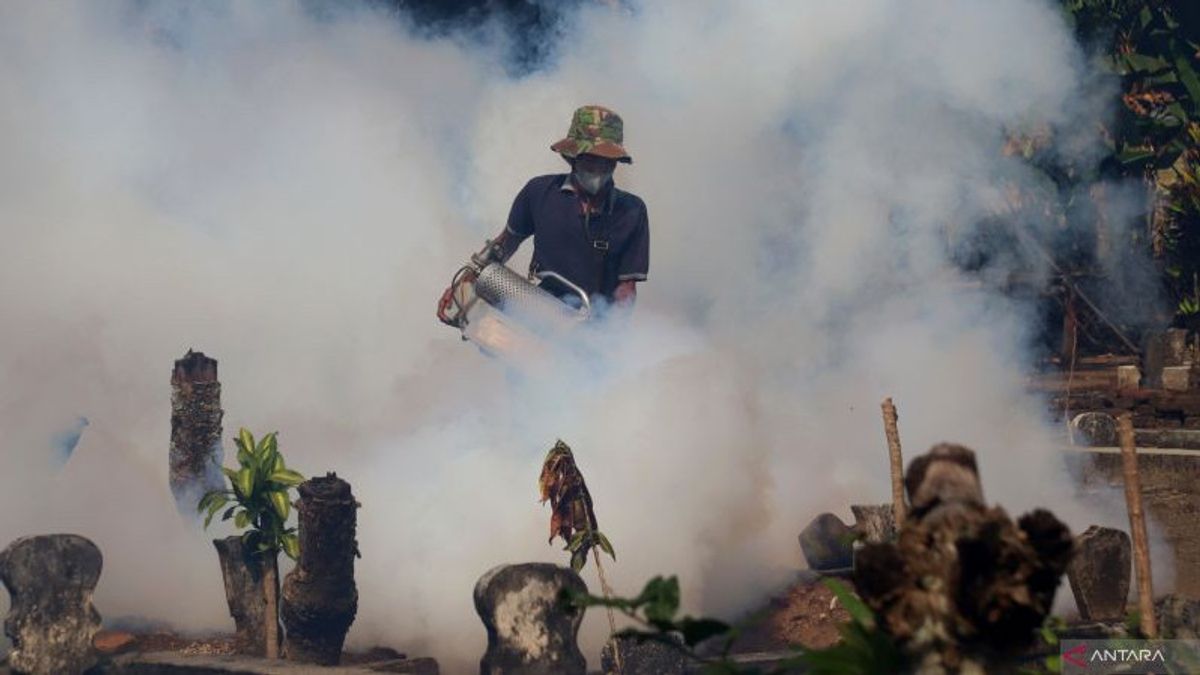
x: 625, y: 293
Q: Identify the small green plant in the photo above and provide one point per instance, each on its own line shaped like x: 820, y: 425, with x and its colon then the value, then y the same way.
x: 257, y: 498
x: 1133, y: 622
x: 864, y: 649
x: 258, y: 492
x: 1049, y: 636
x: 654, y: 612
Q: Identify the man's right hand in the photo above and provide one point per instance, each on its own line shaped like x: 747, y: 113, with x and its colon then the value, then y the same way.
x: 447, y: 299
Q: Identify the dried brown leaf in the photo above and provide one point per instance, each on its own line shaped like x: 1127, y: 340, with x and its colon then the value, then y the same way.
x: 562, y: 485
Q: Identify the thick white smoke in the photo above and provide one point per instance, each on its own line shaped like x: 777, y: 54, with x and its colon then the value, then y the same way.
x: 289, y: 192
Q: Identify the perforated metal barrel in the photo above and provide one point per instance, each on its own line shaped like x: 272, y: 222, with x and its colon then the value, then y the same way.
x: 513, y: 294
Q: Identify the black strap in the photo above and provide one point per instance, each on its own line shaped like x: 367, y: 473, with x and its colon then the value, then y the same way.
x: 599, y: 251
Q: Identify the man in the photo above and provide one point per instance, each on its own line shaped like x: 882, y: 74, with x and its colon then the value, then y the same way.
x: 583, y: 227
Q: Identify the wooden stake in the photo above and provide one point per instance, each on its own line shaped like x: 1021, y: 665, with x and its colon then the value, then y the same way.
x: 270, y: 579
x: 612, y: 622
x: 1137, y: 526
x: 893, y: 439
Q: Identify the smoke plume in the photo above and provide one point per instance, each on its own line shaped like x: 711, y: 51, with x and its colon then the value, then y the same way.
x: 290, y: 190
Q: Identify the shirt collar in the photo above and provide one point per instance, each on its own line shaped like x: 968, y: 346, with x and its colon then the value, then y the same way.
x: 569, y: 186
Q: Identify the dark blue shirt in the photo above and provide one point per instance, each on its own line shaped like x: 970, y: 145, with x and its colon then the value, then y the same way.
x: 596, y: 251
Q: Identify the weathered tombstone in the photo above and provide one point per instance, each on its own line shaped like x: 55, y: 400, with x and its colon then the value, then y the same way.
x: 51, y: 620
x: 1099, y: 574
x: 1178, y: 618
x: 195, y: 453
x: 530, y: 632
x: 649, y: 657
x: 827, y: 543
x: 319, y: 595
x: 1094, y: 429
x: 874, y: 523
x: 243, y: 574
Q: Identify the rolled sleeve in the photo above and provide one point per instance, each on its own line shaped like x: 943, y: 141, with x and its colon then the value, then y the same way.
x: 634, y: 264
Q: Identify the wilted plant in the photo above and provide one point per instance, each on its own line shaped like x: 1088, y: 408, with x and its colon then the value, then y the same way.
x: 257, y: 498
x: 573, y: 517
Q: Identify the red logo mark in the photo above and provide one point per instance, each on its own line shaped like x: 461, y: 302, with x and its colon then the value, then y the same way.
x: 1075, y: 656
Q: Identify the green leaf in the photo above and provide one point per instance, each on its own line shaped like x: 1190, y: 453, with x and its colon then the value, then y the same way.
x: 606, y: 545
x: 578, y: 559
x: 1133, y: 154
x: 244, y: 458
x: 244, y: 482
x: 245, y: 440
x: 1191, y: 82
x: 661, y: 598
x: 287, y: 477
x: 291, y: 546
x: 214, y: 505
x: 267, y: 451
x: 279, y: 501
x: 242, y: 519
x: 208, y: 499
x: 577, y: 541
x: 859, y: 612
x: 1176, y: 115
x: 1143, y: 64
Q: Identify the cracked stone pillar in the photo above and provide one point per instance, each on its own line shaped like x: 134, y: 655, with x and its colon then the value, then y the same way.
x: 195, y: 454
x: 51, y: 620
x: 320, y: 598
x: 529, y: 631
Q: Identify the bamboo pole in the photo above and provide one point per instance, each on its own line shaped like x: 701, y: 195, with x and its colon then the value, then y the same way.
x: 1137, y: 526
x: 899, y: 511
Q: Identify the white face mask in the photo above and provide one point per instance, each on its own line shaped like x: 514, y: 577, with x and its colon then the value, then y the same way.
x: 592, y: 183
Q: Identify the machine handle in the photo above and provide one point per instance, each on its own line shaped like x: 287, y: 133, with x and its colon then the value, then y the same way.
x: 586, y: 308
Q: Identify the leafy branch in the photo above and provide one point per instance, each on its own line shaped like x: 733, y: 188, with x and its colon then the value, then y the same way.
x: 257, y: 497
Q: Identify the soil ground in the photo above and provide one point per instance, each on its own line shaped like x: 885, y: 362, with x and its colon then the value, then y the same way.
x: 805, y: 615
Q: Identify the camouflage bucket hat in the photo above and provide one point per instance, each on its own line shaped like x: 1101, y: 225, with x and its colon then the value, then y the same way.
x: 595, y: 130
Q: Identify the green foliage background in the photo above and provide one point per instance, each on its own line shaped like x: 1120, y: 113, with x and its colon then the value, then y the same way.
x: 1151, y: 49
